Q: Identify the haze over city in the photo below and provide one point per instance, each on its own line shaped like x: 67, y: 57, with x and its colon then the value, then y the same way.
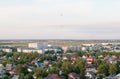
x: 59, y: 19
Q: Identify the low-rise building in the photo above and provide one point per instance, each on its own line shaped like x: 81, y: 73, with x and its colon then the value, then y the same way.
x: 30, y: 50
x: 8, y: 50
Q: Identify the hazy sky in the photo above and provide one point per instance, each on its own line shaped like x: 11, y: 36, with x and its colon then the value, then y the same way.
x: 59, y: 19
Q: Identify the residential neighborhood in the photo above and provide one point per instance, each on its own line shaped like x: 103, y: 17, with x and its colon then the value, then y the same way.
x: 45, y: 61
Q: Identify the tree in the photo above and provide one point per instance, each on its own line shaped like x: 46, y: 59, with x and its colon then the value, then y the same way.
x: 57, y: 64
x: 69, y: 51
x: 21, y: 76
x: 40, y: 72
x: 118, y: 67
x: 79, y: 67
x: 54, y: 70
x: 103, y: 69
x: 67, y: 67
x: 113, y: 69
x: 28, y: 76
x: 97, y: 62
x: 78, y: 53
x: 20, y: 69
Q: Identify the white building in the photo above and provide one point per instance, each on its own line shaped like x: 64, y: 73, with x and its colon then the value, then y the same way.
x: 29, y: 50
x: 53, y: 48
x: 37, y: 45
x: 8, y: 50
x: 39, y: 48
x: 84, y: 48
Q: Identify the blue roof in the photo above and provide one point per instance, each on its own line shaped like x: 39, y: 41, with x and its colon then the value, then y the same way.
x: 111, y: 59
x: 39, y: 63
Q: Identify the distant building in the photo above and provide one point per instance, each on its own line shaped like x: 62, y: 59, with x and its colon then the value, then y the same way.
x: 85, y: 49
x: 39, y: 48
x: 37, y: 45
x: 30, y: 50
x: 8, y: 50
x: 65, y: 48
x: 74, y: 48
x: 53, y: 48
x: 88, y: 44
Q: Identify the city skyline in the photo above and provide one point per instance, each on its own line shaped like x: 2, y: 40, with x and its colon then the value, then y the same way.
x: 59, y: 19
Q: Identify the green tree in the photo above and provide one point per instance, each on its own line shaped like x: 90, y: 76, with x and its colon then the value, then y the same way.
x: 118, y: 67
x: 20, y: 69
x: 28, y: 76
x: 97, y: 62
x: 40, y: 72
x: 103, y: 69
x: 113, y: 69
x: 67, y: 67
x: 79, y: 67
x: 21, y: 76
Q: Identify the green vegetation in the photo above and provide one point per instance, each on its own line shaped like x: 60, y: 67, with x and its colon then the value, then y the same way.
x: 104, y: 68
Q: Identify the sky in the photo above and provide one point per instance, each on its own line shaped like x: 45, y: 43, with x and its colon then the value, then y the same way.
x: 59, y: 19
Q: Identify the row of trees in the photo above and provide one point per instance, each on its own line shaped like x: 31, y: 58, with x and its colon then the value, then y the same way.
x: 108, y: 69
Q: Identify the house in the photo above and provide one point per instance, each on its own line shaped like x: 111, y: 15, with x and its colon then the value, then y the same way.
x: 114, y: 56
x: 91, y: 67
x: 39, y: 64
x: 1, y: 65
x: 53, y: 76
x: 13, y: 71
x: 73, y: 58
x: 2, y: 58
x: 117, y: 76
x: 84, y: 57
x: 107, y: 57
x: 111, y: 59
x: 11, y: 68
x: 30, y: 69
x: 46, y: 62
x: 15, y: 77
x: 101, y: 56
x: 90, y: 74
x: 33, y: 61
x: 2, y: 71
x: 73, y: 76
x: 90, y: 59
x: 64, y: 58
x: 84, y: 48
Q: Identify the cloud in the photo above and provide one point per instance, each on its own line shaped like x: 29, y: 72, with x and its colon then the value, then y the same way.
x: 77, y: 19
